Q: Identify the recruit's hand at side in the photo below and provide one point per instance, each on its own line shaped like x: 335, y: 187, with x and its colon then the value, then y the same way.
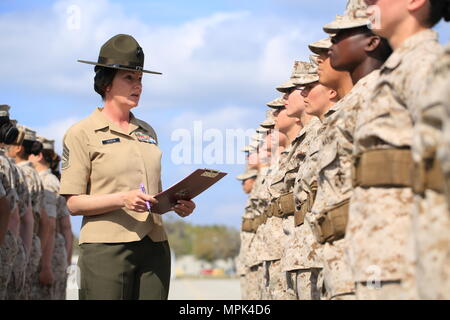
x: 184, y: 208
x: 136, y: 200
x: 46, y: 277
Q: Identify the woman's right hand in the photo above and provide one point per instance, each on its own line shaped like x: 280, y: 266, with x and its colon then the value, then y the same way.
x: 136, y: 200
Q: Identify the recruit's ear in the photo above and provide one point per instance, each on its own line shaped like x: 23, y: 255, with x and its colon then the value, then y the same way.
x: 372, y: 43
x: 414, y: 5
x: 333, y: 95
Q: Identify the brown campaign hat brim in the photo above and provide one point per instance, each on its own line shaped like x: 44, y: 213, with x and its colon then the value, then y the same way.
x: 118, y: 67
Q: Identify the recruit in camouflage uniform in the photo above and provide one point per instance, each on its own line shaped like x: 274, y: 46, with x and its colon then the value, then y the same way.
x: 290, y: 254
x: 9, y: 248
x: 379, y: 232
x: 253, y: 262
x: 17, y: 281
x: 330, y: 211
x: 306, y: 190
x: 431, y: 217
x: 328, y: 218
x: 281, y: 207
x: 51, y: 194
x: 250, y: 282
x: 303, y: 253
x: 36, y: 190
x: 272, y: 237
x: 300, y: 258
x: 245, y: 235
x: 268, y: 156
x: 261, y: 250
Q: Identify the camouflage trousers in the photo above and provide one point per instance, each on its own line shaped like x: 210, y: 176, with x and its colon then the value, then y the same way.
x: 306, y: 283
x: 17, y: 281
x: 276, y: 285
x: 8, y: 253
x: 30, y: 291
x: 337, y: 274
x: 431, y: 223
x: 254, y: 282
x: 59, y: 266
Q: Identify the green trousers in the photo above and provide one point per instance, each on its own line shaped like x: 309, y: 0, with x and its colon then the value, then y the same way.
x: 124, y: 271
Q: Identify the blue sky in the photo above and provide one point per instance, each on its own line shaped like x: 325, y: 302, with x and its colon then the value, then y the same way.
x: 221, y: 61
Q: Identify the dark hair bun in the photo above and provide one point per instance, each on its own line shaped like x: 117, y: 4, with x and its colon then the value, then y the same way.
x: 36, y: 148
x: 103, y: 78
x: 8, y: 133
x: 32, y: 147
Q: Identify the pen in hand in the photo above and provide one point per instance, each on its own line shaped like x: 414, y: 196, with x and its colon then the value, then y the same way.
x: 149, y: 207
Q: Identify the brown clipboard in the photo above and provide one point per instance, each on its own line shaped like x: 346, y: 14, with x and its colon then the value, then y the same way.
x: 187, y: 189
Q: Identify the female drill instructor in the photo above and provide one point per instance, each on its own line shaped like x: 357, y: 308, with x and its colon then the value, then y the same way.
x: 124, y: 248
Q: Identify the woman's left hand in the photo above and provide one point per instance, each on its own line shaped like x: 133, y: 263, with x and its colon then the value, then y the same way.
x: 184, y: 208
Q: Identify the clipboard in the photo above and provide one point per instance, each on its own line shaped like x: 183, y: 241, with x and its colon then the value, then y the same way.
x: 187, y: 189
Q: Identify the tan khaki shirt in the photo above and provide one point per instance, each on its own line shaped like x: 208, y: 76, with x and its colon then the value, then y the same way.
x: 98, y: 158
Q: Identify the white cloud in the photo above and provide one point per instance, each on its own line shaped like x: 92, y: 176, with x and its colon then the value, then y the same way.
x: 56, y: 130
x: 232, y: 55
x: 230, y: 117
